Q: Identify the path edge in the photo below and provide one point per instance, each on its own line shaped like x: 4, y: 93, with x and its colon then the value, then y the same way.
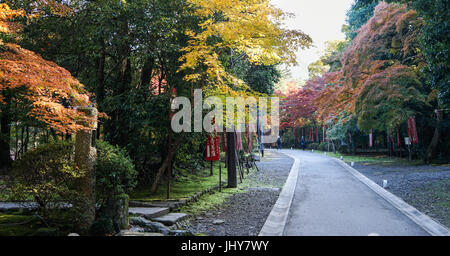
x: 276, y: 221
x: 431, y: 226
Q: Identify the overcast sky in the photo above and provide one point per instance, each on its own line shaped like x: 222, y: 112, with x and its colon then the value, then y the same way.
x: 321, y: 19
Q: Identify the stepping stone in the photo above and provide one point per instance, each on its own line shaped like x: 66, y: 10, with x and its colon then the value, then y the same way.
x: 171, y: 218
x: 172, y: 205
x: 149, y: 212
x: 132, y: 233
x: 218, y: 222
x: 149, y: 226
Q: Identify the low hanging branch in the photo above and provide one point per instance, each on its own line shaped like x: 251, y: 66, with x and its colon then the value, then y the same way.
x: 49, y: 91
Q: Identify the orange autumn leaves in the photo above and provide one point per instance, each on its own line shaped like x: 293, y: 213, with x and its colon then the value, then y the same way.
x: 49, y: 91
x: 7, y: 14
x: 378, y: 77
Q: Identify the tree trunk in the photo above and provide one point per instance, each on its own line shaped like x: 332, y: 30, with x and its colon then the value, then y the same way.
x: 115, y: 127
x: 100, y: 90
x: 85, y: 156
x: 27, y: 139
x: 147, y: 71
x: 434, y: 142
x: 231, y: 160
x: 5, y: 136
x: 165, y: 163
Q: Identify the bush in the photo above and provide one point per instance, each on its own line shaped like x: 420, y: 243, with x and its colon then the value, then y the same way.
x: 323, y: 146
x: 115, y: 173
x: 344, y: 149
x: 47, y: 232
x: 47, y: 175
x: 314, y: 146
x: 101, y: 227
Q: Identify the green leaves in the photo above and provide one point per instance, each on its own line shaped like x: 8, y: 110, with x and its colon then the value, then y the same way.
x: 115, y: 173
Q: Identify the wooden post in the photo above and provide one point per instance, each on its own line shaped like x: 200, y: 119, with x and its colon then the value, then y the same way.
x: 211, y: 170
x: 239, y: 166
x: 248, y: 171
x: 220, y: 176
x: 231, y: 160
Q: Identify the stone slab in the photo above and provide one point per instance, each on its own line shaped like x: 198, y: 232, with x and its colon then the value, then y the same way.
x: 149, y: 212
x: 171, y: 218
x: 14, y: 206
x: 161, y: 204
x: 132, y: 233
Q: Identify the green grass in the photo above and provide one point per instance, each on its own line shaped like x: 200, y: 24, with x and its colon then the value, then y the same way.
x: 186, y: 185
x: 20, y: 224
x: 440, y: 191
x: 27, y: 229
x: 209, y: 201
x: 215, y: 198
x: 438, y: 200
x: 372, y: 160
x: 190, y: 183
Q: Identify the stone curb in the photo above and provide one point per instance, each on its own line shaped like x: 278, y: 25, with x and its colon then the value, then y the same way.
x: 425, y: 222
x: 276, y: 221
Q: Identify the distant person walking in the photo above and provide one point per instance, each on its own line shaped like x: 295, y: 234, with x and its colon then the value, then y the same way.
x: 279, y: 143
x: 303, y: 143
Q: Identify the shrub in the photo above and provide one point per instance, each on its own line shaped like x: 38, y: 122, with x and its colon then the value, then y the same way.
x: 46, y: 174
x: 101, y: 227
x: 314, y: 146
x: 47, y: 232
x: 344, y: 149
x: 115, y: 173
x: 323, y: 146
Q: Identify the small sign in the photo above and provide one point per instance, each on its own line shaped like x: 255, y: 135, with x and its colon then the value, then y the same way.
x: 213, y: 148
x: 407, y: 141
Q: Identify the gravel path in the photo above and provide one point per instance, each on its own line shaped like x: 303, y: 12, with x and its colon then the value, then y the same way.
x: 244, y: 214
x: 425, y: 187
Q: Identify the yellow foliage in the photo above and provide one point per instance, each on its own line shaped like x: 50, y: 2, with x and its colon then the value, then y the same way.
x: 5, y: 15
x: 252, y: 27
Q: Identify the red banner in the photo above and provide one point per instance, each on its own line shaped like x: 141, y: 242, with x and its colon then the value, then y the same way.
x: 213, y: 147
x: 412, y: 131
x: 409, y: 128
x: 415, y: 138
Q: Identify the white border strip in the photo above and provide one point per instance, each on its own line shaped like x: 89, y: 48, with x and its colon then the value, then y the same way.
x: 432, y: 227
x: 275, y: 223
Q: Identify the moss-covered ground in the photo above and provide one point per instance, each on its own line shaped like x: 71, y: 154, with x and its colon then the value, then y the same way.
x: 186, y: 184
